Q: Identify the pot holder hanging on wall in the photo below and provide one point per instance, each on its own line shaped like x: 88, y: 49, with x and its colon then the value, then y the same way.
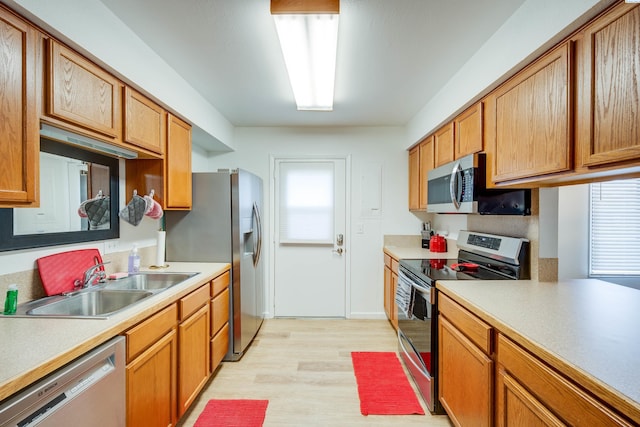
x: 135, y: 209
x: 98, y: 211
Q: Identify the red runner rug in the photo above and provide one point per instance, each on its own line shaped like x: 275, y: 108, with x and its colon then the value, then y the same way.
x: 383, y: 386
x: 233, y: 413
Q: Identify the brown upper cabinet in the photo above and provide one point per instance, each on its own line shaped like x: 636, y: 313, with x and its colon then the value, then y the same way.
x: 178, y: 165
x: 608, y: 113
x: 414, y: 178
x: 443, y: 145
x: 169, y: 178
x: 421, y: 161
x: 19, y: 141
x: 468, y: 131
x: 82, y: 94
x: 145, y: 122
x: 529, y: 119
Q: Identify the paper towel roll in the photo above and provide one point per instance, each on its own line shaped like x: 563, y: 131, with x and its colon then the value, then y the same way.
x: 160, y: 248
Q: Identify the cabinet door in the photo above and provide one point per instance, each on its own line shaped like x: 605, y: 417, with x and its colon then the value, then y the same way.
x: 443, y: 145
x: 178, y: 165
x: 465, y: 373
x: 151, y: 385
x: 193, y: 367
x: 393, y: 308
x: 516, y: 406
x: 145, y: 122
x: 468, y: 131
x: 545, y: 388
x: 387, y: 292
x: 81, y: 93
x: 532, y: 120
x: 414, y: 179
x: 608, y: 125
x: 19, y: 139
x: 427, y: 162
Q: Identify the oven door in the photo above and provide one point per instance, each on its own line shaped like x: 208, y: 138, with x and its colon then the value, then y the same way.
x: 417, y: 336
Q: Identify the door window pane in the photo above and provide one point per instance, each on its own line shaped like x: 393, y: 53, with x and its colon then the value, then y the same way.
x: 306, y: 202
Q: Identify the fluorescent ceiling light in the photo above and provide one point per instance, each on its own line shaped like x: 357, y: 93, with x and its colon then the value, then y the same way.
x: 309, y: 44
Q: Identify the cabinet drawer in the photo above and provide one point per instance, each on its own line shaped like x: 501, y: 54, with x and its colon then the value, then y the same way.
x: 140, y: 337
x: 564, y: 399
x: 387, y: 260
x: 192, y: 302
x: 219, y: 284
x: 219, y: 311
x: 471, y: 326
x: 219, y: 346
x: 394, y: 265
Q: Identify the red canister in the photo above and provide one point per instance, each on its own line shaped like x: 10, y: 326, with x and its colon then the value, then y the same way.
x: 438, y: 244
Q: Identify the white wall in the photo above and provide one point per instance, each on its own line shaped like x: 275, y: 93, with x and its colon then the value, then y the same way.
x: 368, y: 148
x: 573, y: 231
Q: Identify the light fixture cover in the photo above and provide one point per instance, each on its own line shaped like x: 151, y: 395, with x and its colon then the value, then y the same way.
x: 309, y: 44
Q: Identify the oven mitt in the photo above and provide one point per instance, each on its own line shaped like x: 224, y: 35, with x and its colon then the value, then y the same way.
x: 98, y: 210
x: 156, y: 211
x: 134, y: 211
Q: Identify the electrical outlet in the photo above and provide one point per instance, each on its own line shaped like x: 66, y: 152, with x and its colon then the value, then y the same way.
x: 110, y: 246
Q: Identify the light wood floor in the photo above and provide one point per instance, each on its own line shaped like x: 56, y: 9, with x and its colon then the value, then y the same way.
x: 303, y: 367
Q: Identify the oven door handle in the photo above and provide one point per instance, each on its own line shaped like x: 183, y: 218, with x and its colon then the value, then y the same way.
x: 422, y: 369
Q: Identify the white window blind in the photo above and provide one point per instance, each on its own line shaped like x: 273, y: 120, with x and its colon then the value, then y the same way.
x: 306, y: 202
x: 615, y: 228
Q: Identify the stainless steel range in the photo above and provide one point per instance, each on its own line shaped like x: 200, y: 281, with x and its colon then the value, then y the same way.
x: 481, y: 256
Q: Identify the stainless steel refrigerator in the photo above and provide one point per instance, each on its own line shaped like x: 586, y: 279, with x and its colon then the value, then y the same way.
x: 224, y: 225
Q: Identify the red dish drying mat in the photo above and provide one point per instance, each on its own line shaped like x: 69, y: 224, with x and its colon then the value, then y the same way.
x: 383, y: 386
x: 59, y: 272
x: 233, y: 413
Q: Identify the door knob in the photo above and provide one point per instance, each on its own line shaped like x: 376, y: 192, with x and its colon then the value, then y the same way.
x: 338, y: 251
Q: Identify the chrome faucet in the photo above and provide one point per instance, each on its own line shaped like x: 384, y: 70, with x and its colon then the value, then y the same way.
x: 93, y: 276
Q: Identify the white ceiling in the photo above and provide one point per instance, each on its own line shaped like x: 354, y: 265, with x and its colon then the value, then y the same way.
x: 393, y: 55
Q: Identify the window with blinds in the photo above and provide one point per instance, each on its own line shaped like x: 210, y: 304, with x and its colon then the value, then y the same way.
x: 615, y: 228
x: 306, y: 202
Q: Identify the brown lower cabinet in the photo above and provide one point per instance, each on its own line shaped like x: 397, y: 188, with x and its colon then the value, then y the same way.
x: 488, y: 379
x: 171, y: 354
x: 466, y: 368
x: 193, y: 346
x: 152, y: 362
x: 390, y: 283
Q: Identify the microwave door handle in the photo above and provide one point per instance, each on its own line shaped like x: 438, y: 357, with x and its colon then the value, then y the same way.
x: 453, y: 185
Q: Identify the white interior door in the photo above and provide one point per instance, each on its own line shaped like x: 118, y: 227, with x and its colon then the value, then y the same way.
x: 309, y: 244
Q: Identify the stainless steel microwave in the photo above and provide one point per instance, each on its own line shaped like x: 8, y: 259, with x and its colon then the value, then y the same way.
x: 459, y: 187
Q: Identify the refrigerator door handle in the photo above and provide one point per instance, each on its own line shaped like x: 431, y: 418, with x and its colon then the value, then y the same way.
x: 257, y: 243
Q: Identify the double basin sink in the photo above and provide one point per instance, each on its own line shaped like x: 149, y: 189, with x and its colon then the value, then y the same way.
x: 103, y: 300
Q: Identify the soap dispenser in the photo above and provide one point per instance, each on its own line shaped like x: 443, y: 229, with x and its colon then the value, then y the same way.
x: 134, y: 260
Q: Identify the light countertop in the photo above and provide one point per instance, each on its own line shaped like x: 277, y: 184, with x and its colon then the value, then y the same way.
x: 34, y: 347
x: 586, y: 328
x: 416, y: 252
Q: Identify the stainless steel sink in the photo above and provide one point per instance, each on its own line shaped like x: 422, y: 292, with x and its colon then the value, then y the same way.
x: 92, y: 303
x: 149, y: 281
x: 103, y: 300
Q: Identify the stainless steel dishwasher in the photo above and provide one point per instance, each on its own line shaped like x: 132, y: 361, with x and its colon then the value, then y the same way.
x: 90, y: 391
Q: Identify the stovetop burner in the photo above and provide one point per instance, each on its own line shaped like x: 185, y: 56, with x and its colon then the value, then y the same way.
x: 448, y: 269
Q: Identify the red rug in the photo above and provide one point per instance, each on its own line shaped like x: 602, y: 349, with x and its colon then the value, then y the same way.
x: 383, y: 386
x: 233, y: 413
